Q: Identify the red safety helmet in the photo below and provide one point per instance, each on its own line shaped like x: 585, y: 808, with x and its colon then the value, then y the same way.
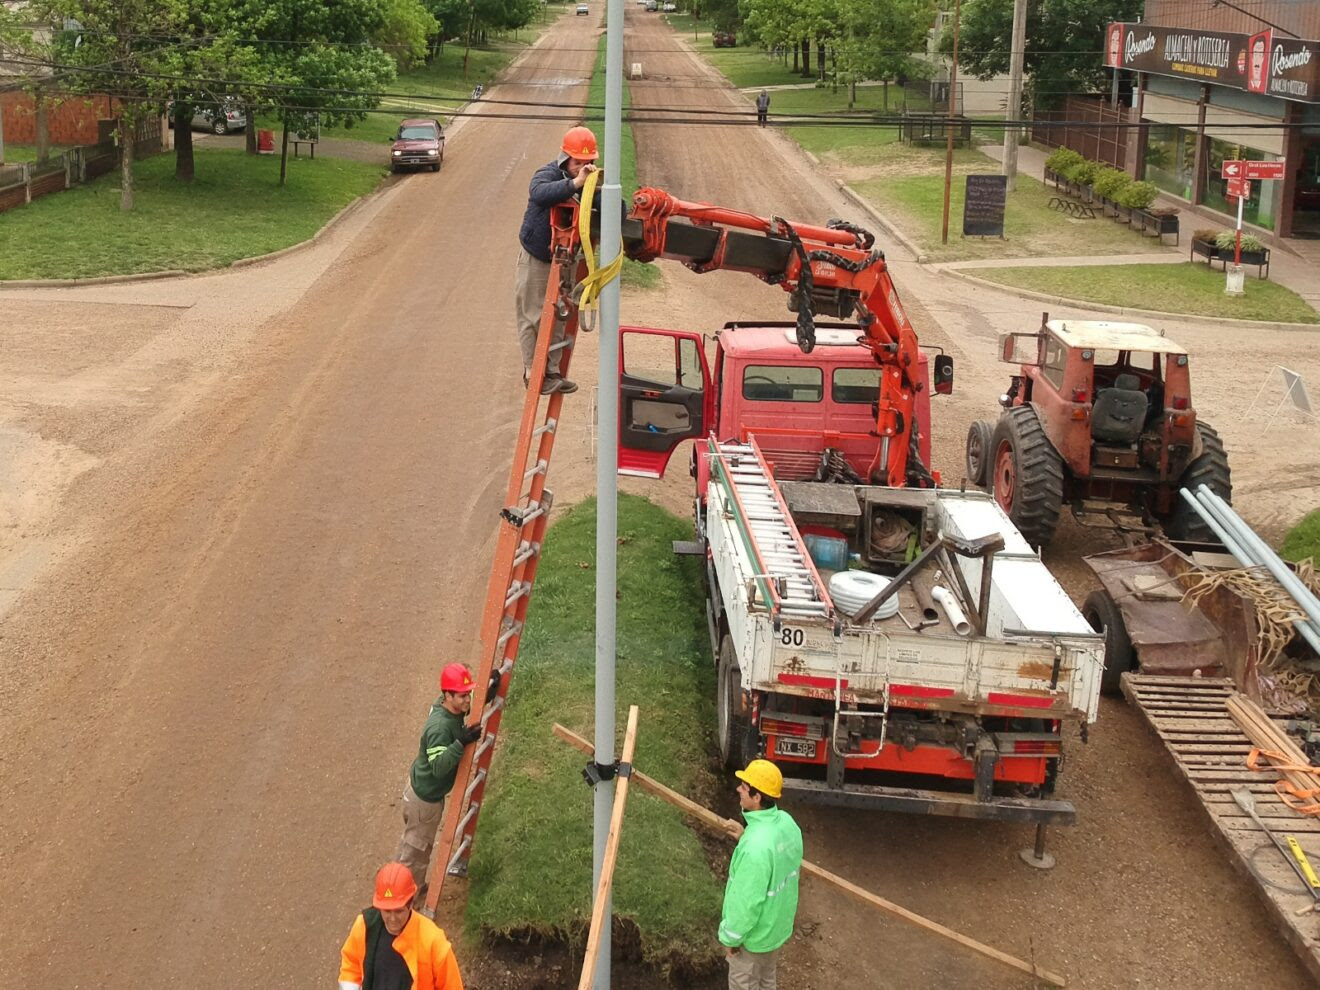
x: 455, y: 677
x: 580, y: 143
x: 395, y: 887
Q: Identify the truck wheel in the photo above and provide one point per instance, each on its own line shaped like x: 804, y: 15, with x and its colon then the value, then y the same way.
x: 1026, y: 475
x: 1101, y: 611
x: 979, y: 436
x: 1211, y: 470
x: 735, y: 727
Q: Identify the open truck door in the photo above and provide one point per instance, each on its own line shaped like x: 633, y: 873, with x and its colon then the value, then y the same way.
x: 665, y: 397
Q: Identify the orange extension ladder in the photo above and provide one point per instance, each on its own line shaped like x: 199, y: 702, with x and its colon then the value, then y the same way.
x: 523, y: 523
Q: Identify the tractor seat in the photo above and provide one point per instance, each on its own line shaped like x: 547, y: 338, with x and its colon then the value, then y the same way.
x: 1119, y: 413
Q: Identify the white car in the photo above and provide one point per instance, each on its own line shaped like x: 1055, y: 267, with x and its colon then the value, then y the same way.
x: 582, y: 9
x: 669, y: 8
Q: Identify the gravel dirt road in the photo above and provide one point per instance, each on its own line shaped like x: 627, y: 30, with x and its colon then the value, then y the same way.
x: 246, y: 517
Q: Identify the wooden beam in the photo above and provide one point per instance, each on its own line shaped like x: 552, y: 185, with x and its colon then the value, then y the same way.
x: 733, y: 830
x: 602, y: 897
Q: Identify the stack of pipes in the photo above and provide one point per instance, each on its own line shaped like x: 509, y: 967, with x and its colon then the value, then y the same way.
x: 1276, y: 746
x: 1251, y: 551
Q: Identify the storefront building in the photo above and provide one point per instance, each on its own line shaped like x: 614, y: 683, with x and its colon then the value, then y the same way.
x: 1247, y: 89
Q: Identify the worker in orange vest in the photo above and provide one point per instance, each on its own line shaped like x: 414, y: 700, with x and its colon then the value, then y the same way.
x: 392, y: 947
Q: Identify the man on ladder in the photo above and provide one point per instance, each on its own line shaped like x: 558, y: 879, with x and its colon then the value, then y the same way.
x: 432, y: 774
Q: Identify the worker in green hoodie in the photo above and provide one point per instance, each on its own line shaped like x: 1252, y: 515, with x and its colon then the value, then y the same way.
x: 761, y: 897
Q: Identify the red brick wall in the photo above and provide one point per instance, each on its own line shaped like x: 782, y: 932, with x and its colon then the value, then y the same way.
x: 70, y: 119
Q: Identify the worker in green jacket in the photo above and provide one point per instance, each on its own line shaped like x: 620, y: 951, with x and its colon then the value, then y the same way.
x: 761, y: 897
x: 431, y: 776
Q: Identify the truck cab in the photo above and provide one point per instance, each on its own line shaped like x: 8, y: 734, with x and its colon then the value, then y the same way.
x: 799, y: 406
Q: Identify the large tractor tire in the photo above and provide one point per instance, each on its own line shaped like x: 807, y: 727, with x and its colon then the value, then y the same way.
x: 1026, y: 475
x: 1102, y: 613
x: 979, y: 437
x: 1209, y: 469
x: 736, y: 736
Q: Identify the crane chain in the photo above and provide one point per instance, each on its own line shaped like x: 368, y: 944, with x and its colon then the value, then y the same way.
x: 800, y: 300
x: 839, y: 261
x: 865, y: 238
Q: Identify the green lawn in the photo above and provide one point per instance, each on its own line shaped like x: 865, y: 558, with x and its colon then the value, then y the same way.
x: 1179, y: 288
x: 1303, y: 540
x: 915, y: 203
x: 234, y: 209
x: 635, y: 274
x: 531, y: 864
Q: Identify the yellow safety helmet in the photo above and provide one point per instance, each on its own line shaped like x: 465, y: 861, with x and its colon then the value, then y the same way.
x: 764, y: 776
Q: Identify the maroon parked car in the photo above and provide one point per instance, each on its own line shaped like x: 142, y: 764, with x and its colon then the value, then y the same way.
x: 419, y: 144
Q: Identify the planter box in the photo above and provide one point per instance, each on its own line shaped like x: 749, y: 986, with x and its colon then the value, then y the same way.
x: 1208, y: 250
x: 1053, y: 177
x: 1162, y: 224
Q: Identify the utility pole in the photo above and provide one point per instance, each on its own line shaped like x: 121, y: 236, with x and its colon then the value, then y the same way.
x: 953, y: 105
x: 1013, y: 108
x: 607, y: 457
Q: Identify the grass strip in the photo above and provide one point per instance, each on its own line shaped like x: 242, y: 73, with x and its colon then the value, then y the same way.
x: 636, y: 274
x: 1178, y: 288
x: 235, y: 208
x: 1303, y: 540
x: 531, y: 865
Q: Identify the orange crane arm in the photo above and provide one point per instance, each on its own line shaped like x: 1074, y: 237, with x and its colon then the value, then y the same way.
x: 833, y: 270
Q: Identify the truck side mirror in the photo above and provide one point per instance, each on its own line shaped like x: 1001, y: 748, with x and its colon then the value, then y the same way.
x: 943, y: 374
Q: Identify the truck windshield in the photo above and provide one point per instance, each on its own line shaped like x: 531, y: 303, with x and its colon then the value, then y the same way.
x: 416, y: 133
x: 779, y: 383
x: 859, y: 385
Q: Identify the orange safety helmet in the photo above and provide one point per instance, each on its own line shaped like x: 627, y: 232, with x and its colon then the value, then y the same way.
x: 455, y: 677
x: 395, y: 887
x: 580, y: 143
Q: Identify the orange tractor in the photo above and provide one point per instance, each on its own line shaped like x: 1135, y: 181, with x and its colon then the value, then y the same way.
x: 1100, y: 418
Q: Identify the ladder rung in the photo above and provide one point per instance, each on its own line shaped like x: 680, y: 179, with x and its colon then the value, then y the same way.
x: 547, y: 427
x: 468, y: 816
x: 566, y: 342
x: 517, y: 590
x: 454, y: 869
x: 508, y: 634
x: 477, y: 780
x: 532, y: 472
x: 495, y: 705
x: 526, y: 551
x: 484, y: 745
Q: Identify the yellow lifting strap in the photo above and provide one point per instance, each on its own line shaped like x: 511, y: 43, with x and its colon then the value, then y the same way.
x: 597, y: 278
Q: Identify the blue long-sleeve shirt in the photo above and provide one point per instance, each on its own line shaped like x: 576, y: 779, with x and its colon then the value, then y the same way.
x: 550, y: 186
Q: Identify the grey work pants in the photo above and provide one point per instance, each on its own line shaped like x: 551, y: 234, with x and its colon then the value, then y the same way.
x: 530, y: 279
x: 752, y: 970
x: 420, y: 821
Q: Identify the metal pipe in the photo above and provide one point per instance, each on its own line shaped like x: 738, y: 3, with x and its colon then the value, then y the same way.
x: 1230, y: 544
x: 1260, y: 554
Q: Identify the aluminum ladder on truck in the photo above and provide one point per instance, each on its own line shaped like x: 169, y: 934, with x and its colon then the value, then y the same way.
x: 522, y: 528
x: 789, y: 582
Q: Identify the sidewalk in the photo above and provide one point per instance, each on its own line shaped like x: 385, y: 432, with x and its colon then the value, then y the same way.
x: 1296, y: 266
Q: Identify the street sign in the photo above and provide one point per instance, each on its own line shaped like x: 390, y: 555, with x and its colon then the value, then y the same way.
x: 1263, y: 170
x: 1239, y: 188
x: 1252, y: 170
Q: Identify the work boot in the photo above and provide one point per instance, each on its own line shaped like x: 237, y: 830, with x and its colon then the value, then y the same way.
x: 557, y: 383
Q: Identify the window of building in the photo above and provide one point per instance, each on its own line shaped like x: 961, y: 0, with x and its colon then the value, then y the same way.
x: 1259, y: 208
x: 1171, y: 159
x: 777, y: 383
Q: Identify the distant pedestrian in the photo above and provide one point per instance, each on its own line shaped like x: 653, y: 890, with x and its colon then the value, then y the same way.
x: 444, y: 737
x: 552, y: 184
x: 392, y: 947
x: 761, y: 896
x: 763, y: 108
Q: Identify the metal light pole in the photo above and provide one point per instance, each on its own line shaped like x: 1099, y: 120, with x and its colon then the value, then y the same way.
x: 953, y: 105
x: 607, y: 456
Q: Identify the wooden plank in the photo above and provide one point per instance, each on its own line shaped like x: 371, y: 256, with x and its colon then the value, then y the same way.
x: 1279, y: 824
x: 1140, y: 680
x: 1170, y: 694
x: 734, y: 829
x: 1187, y: 705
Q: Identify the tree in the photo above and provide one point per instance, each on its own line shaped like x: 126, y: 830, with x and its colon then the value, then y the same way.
x: 882, y: 40
x: 1064, y: 39
x: 406, y: 28
x: 119, y: 47
x: 314, y: 61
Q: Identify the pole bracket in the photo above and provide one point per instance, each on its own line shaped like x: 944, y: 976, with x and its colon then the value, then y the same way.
x: 598, y: 773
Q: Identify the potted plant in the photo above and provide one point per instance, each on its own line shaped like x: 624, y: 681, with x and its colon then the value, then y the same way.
x: 1138, y: 198
x: 1109, y: 182
x: 1254, y: 252
x: 1080, y: 177
x: 1203, y: 244
x: 1058, y: 163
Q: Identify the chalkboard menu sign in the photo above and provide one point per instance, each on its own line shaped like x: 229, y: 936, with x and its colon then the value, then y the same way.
x: 983, y: 206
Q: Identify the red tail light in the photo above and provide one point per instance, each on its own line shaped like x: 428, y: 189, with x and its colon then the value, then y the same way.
x: 1179, y: 402
x: 1039, y: 747
x: 1079, y: 395
x: 781, y: 727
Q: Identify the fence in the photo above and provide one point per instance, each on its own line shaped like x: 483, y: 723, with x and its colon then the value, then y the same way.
x: 21, y: 184
x: 1081, y: 114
